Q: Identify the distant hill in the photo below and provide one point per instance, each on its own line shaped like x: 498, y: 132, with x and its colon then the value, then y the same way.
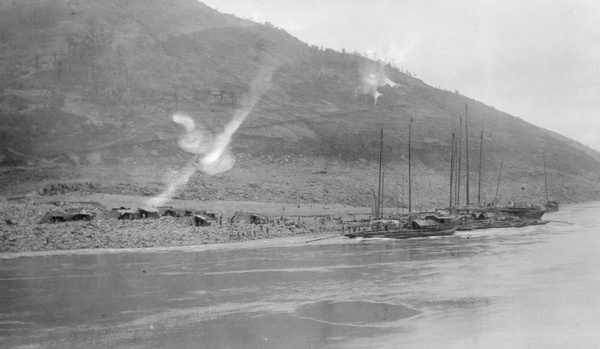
x: 88, y: 89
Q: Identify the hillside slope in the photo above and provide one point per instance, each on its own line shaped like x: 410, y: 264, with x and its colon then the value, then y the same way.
x: 88, y: 90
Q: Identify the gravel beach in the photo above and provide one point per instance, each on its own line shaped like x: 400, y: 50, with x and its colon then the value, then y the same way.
x: 20, y: 231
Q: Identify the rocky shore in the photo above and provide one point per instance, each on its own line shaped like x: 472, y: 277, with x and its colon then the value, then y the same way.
x: 20, y: 231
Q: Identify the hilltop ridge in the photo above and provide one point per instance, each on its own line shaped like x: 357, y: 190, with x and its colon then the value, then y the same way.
x: 88, y: 90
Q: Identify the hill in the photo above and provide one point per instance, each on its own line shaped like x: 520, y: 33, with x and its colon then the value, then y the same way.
x: 89, y: 88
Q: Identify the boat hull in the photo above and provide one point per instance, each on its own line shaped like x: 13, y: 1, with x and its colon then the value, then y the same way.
x: 402, y: 234
x: 524, y: 212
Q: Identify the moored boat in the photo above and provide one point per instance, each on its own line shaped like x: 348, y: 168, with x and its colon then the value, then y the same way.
x: 420, y: 233
x: 527, y: 212
x: 401, y: 233
x: 551, y: 206
x: 431, y: 225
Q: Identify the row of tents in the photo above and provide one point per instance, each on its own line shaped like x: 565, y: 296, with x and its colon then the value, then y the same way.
x: 67, y: 216
x: 197, y: 218
x: 191, y: 217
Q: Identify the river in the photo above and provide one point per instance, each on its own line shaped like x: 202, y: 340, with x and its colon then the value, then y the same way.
x: 532, y: 287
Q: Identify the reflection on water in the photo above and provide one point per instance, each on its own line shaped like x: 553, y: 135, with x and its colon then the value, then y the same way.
x: 529, y: 287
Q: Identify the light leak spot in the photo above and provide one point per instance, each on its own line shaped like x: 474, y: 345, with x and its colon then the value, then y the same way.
x: 212, y: 154
x: 372, y: 77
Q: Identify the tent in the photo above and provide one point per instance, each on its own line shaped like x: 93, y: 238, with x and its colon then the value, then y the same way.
x: 168, y: 211
x: 83, y: 216
x: 212, y: 215
x: 115, y: 212
x: 249, y: 218
x: 148, y: 212
x: 56, y: 216
x: 80, y: 214
x: 199, y: 220
x: 173, y: 212
x: 124, y: 213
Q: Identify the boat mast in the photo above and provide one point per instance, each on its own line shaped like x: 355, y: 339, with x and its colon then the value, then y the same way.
x: 545, y: 176
x: 455, y: 145
x: 451, y: 170
x: 409, y: 168
x: 402, y: 193
x: 459, y: 163
x: 498, y: 185
x: 379, y: 184
x: 480, y: 158
x: 382, y: 193
x: 467, y: 144
x: 396, y: 197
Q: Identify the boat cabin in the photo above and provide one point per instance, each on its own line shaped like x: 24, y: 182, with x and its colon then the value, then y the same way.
x: 436, y: 222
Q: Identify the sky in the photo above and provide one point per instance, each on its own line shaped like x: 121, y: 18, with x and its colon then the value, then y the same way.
x: 535, y: 59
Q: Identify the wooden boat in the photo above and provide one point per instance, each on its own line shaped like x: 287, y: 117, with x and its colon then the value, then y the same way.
x: 411, y: 233
x: 481, y: 219
x: 533, y: 212
x: 492, y: 224
x: 430, y: 225
x: 401, y: 233
x: 551, y: 206
x: 478, y: 225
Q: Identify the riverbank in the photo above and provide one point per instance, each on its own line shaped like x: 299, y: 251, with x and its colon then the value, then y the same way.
x: 21, y: 232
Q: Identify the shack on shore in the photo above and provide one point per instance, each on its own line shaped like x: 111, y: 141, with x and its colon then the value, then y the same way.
x: 248, y: 218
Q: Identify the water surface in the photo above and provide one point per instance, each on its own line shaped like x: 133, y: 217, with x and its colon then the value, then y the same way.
x: 533, y: 287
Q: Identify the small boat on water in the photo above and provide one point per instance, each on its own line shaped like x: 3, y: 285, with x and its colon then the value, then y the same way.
x: 527, y: 212
x: 500, y: 224
x: 491, y: 224
x: 477, y: 218
x: 401, y: 233
x: 551, y: 206
x: 431, y: 225
x: 412, y: 233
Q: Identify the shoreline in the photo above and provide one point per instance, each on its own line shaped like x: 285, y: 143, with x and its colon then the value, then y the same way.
x: 22, y: 235
x: 288, y: 241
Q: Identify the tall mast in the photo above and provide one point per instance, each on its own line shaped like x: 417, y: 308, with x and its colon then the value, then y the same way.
x: 498, y: 185
x: 379, y: 184
x: 545, y: 177
x: 451, y: 170
x: 402, y: 193
x: 459, y: 163
x: 480, y: 159
x: 382, y: 192
x: 455, y: 171
x: 467, y: 144
x: 409, y: 168
x: 396, y: 197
